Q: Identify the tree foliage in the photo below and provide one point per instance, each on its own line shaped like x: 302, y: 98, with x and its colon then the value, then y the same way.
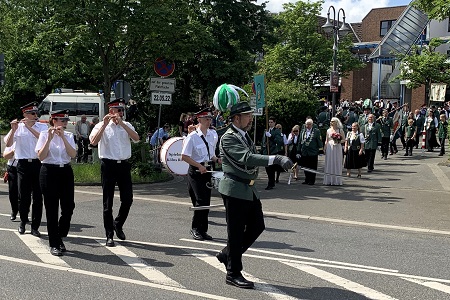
x: 424, y: 66
x: 303, y: 53
x: 435, y: 9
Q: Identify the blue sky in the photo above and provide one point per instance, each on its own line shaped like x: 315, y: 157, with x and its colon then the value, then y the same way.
x: 355, y: 10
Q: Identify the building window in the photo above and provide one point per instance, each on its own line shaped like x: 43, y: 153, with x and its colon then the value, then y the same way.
x: 385, y: 26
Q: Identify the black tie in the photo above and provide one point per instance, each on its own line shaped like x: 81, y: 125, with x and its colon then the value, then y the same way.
x: 249, y: 141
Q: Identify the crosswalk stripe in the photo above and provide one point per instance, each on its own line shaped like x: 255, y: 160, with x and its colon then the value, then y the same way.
x: 432, y: 285
x: 139, y: 265
x: 42, y: 251
x: 260, y: 285
x: 342, y: 282
x: 115, y: 278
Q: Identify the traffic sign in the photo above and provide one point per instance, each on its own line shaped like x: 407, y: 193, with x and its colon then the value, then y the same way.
x: 163, y: 68
x: 161, y: 98
x: 258, y: 111
x: 162, y: 85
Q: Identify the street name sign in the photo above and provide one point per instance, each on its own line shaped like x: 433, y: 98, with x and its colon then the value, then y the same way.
x: 162, y: 85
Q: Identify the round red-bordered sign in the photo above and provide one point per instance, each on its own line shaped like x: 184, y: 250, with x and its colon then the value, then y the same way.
x: 163, y: 68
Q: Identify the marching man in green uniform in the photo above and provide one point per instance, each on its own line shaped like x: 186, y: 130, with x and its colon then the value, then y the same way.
x: 372, y: 135
x: 387, y: 128
x: 323, y: 122
x: 245, y: 221
x: 308, y: 147
x: 410, y: 136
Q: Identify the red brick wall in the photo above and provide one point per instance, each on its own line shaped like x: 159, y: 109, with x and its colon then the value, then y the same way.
x: 357, y: 84
x: 418, y: 97
x: 371, y: 23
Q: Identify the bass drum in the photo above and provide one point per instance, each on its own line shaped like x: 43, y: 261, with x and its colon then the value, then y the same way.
x: 170, y: 156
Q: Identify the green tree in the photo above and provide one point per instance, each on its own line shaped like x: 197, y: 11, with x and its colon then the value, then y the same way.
x: 424, y: 66
x: 435, y: 9
x: 303, y: 53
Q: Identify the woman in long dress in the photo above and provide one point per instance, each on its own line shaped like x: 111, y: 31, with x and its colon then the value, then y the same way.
x: 333, y: 153
x: 354, y: 150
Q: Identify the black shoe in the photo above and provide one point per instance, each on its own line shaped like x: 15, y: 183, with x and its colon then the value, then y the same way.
x: 55, y: 251
x: 119, y: 232
x: 62, y: 247
x: 440, y: 154
x: 385, y: 158
x: 370, y: 171
x: 110, y: 242
x: 304, y: 182
x: 310, y: 183
x: 196, y: 235
x: 277, y: 181
x: 206, y: 236
x: 410, y: 154
x: 269, y: 188
x: 239, y: 281
x: 13, y: 216
x: 21, y: 228
x: 222, y: 257
x: 35, y: 232
x: 406, y: 154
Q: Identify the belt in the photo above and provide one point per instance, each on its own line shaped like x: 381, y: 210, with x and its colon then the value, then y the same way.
x: 28, y: 159
x: 250, y: 182
x: 114, y: 161
x: 56, y: 166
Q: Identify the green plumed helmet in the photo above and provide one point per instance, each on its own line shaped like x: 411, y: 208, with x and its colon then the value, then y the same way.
x: 226, y: 96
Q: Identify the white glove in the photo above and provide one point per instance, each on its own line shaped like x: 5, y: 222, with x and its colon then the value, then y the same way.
x: 298, y: 156
x: 268, y: 134
x: 391, y: 137
x: 283, y: 161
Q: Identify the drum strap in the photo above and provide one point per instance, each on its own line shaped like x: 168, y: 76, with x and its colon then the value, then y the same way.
x: 207, y: 146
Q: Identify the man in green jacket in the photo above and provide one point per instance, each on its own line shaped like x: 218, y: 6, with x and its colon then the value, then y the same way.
x: 272, y: 144
x: 243, y: 207
x: 308, y: 147
x: 372, y: 135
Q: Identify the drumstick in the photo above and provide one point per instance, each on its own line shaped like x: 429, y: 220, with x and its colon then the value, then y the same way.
x: 207, y: 171
x: 205, y: 207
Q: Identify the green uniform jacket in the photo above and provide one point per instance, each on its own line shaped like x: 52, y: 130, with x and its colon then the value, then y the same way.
x: 323, y: 120
x: 372, y: 136
x: 420, y: 121
x: 239, y: 160
x: 276, y: 142
x: 362, y: 120
x: 387, y: 126
x: 310, y: 146
x: 442, y: 130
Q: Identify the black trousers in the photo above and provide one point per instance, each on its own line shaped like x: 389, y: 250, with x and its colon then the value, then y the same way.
x: 442, y: 142
x: 28, y: 183
x: 13, y: 189
x: 384, y: 146
x: 82, y: 152
x: 409, y: 146
x: 271, y: 170
x: 370, y: 158
x: 245, y: 223
x: 57, y: 186
x: 311, y: 163
x: 113, y: 173
x: 200, y: 196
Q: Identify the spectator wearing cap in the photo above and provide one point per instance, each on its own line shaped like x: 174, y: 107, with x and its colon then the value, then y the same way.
x: 25, y: 134
x: 199, y: 152
x: 82, y: 130
x: 113, y: 136
x: 157, y: 139
x: 55, y: 148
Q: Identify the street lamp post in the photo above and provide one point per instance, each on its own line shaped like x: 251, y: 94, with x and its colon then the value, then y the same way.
x: 332, y: 26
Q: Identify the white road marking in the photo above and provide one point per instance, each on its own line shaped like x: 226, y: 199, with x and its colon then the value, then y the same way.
x: 432, y: 285
x: 295, y: 256
x: 342, y: 282
x: 440, y: 176
x: 260, y: 285
x: 116, y: 278
x: 42, y: 251
x: 149, y: 272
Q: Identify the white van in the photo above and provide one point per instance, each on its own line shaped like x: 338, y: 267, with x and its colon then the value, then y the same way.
x: 77, y: 102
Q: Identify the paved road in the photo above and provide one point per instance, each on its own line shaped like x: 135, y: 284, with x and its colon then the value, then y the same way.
x: 385, y: 236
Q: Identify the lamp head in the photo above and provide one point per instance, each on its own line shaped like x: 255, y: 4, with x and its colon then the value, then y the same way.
x: 328, y: 26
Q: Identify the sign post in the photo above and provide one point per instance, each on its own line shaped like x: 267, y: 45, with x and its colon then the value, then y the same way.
x: 162, y: 90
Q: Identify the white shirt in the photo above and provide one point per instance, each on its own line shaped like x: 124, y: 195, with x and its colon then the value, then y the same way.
x: 57, y: 154
x: 115, y: 142
x: 292, y: 138
x: 12, y: 161
x: 26, y: 141
x: 195, y: 147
